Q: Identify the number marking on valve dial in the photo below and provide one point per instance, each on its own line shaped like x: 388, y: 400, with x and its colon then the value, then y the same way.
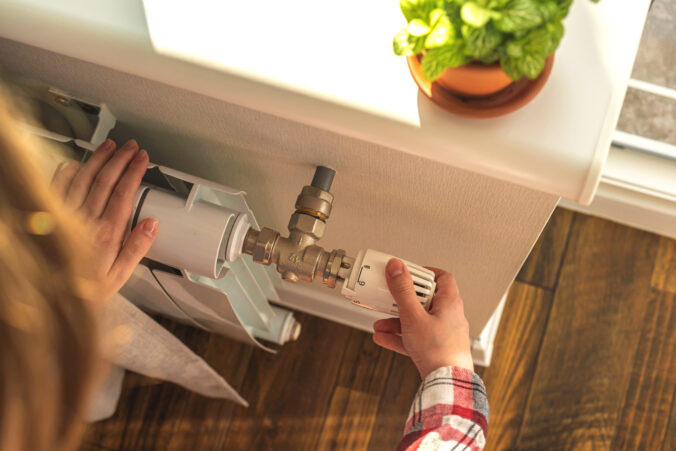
x: 359, y: 281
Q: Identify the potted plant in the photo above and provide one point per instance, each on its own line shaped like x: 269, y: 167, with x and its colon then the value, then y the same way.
x: 476, y: 48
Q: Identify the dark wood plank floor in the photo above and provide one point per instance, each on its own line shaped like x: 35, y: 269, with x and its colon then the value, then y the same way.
x: 585, y: 358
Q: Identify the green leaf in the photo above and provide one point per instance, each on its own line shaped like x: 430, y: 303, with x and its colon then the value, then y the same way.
x: 526, y: 55
x: 542, y: 41
x: 404, y: 44
x: 436, y: 61
x: 409, y: 8
x: 417, y: 27
x: 442, y: 30
x: 556, y: 31
x: 531, y: 65
x: 495, y: 4
x: 481, y: 41
x: 476, y: 15
x: 453, y: 14
x: 514, y: 48
x: 436, y: 15
x: 511, y: 68
x: 563, y: 6
x: 490, y: 57
x: 548, y: 10
x: 418, y: 9
x: 537, y: 42
x: 519, y: 15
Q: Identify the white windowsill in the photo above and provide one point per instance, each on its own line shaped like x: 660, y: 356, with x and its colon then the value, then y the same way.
x: 334, y: 69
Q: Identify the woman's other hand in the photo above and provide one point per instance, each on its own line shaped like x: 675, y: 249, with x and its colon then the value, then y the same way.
x: 432, y: 339
x: 102, y: 190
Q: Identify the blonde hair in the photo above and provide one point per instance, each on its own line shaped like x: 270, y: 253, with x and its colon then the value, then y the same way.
x: 48, y: 346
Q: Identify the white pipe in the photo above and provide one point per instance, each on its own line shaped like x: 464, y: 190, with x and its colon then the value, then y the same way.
x: 192, y: 236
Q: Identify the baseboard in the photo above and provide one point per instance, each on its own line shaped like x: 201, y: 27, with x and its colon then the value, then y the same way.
x: 628, y: 207
x: 482, y: 347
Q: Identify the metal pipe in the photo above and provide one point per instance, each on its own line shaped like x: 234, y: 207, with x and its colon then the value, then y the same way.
x: 323, y: 178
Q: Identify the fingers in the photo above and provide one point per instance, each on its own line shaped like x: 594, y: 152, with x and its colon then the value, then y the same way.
x: 390, y: 341
x: 445, y: 281
x: 107, y: 178
x: 120, y: 205
x: 389, y: 325
x: 81, y: 183
x: 447, y: 294
x: 437, y: 271
x: 63, y: 178
x: 121, y: 201
x: 137, y: 246
x: 447, y: 286
x: 401, y: 287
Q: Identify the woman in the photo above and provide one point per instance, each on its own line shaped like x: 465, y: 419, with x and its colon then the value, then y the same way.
x: 62, y: 254
x: 53, y: 277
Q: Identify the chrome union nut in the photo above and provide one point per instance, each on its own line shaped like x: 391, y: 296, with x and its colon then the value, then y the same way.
x: 307, y: 224
x: 333, y: 265
x: 316, y: 200
x: 265, y: 244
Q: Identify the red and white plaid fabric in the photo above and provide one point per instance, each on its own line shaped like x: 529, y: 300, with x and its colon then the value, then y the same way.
x: 449, y: 412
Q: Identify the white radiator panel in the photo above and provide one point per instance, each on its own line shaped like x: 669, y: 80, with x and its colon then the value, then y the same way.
x: 236, y: 304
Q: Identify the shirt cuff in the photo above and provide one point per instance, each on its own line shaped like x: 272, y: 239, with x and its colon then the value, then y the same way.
x: 449, y: 394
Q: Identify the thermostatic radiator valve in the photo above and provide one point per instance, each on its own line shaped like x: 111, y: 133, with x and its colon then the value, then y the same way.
x: 202, y: 238
x: 298, y: 257
x: 366, y: 285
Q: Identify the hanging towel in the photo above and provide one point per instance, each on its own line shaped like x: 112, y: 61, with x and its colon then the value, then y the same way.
x: 138, y: 343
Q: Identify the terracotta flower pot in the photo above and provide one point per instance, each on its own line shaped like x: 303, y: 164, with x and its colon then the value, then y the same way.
x: 509, y: 96
x: 474, y: 79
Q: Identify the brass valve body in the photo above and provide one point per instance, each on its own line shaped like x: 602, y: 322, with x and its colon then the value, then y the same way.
x: 298, y: 256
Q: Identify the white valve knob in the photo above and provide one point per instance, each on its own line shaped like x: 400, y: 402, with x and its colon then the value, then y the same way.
x: 367, y: 286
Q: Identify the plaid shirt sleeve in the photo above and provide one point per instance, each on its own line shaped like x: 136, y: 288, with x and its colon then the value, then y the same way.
x: 450, y: 411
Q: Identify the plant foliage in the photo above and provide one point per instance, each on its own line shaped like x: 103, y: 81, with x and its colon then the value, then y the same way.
x: 520, y: 34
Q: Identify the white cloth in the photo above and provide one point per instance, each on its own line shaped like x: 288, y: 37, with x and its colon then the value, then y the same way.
x: 107, y: 395
x: 140, y: 344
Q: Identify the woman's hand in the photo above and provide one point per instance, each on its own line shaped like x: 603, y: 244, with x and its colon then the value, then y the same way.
x: 102, y: 190
x: 432, y: 339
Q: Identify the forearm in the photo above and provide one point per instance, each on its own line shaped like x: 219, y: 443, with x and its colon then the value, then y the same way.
x: 450, y: 408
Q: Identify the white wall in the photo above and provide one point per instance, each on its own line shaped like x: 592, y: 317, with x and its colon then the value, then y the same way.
x: 479, y: 228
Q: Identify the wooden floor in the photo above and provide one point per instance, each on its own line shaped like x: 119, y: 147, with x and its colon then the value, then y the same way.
x: 585, y: 358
